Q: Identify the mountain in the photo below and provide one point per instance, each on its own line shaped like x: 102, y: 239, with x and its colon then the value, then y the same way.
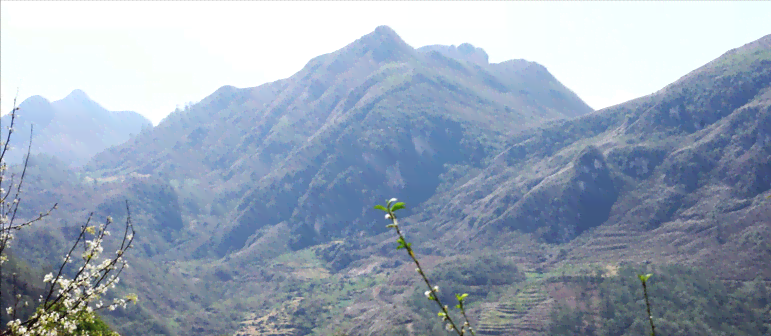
x: 677, y: 177
x: 254, y: 207
x: 226, y: 186
x: 677, y: 163
x: 74, y: 128
x: 334, y: 131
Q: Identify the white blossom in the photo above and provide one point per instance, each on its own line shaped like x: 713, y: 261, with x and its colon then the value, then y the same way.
x: 76, y: 295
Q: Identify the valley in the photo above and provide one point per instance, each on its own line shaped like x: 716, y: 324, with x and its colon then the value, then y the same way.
x: 253, y: 207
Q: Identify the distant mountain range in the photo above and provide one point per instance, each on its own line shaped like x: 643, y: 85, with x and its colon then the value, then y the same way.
x: 73, y: 129
x: 255, y: 205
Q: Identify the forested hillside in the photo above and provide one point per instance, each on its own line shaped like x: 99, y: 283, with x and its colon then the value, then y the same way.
x: 254, y: 212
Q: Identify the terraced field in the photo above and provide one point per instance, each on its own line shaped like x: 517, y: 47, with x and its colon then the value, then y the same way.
x: 606, y: 244
x: 276, y: 323
x: 521, y: 315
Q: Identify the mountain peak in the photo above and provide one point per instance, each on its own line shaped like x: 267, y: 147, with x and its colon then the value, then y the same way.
x: 383, y: 34
x: 36, y: 110
x: 78, y: 100
x: 35, y: 100
x: 385, y: 31
x: 384, y: 44
x: 77, y: 94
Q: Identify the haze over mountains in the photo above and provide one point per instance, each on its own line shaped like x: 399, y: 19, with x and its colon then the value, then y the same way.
x: 73, y: 128
x: 253, y: 207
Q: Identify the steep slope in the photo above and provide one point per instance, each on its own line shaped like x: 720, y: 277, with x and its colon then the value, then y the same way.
x: 679, y: 176
x: 74, y: 128
x: 333, y: 131
x: 665, y: 161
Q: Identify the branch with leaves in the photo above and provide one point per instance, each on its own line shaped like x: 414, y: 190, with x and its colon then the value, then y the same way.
x: 644, y: 281
x: 390, y: 208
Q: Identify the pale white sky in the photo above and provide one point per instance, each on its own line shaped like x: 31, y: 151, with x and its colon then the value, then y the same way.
x: 150, y: 57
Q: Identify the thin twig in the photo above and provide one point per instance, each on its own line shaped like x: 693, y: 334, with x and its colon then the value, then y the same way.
x: 648, y: 305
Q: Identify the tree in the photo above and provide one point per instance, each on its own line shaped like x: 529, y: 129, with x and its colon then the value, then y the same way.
x: 76, y: 291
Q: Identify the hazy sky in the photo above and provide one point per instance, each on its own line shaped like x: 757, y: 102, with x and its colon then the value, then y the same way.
x: 150, y: 57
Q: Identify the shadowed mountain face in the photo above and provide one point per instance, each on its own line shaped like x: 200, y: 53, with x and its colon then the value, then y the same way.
x: 73, y: 129
x: 369, y: 120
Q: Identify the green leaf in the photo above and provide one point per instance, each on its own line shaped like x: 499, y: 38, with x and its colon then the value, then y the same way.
x: 441, y: 314
x: 402, y: 243
x: 644, y: 278
x: 460, y: 298
x: 380, y: 207
x: 397, y: 206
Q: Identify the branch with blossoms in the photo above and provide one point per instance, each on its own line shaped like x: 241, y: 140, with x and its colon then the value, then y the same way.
x: 432, y: 291
x: 67, y: 301
x: 9, y: 208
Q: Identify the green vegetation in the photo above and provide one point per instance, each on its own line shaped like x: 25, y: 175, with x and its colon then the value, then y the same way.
x: 684, y: 301
x: 487, y: 277
x: 20, y: 285
x: 87, y: 324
